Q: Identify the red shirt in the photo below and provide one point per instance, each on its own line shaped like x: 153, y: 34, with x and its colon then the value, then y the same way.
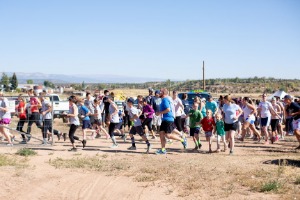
x: 34, y: 104
x: 208, y: 124
x: 21, y: 110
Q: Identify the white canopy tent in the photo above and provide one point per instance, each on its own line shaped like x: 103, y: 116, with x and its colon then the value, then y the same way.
x: 278, y: 93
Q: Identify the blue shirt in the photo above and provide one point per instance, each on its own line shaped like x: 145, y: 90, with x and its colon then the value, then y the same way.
x: 165, y: 103
x: 230, y: 113
x: 84, y: 111
x: 211, y: 106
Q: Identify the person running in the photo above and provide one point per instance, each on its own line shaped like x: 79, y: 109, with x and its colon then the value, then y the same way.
x: 156, y: 118
x: 106, y: 117
x: 137, y: 127
x: 293, y: 109
x: 150, y: 98
x: 178, y: 110
x: 195, y: 117
x: 264, y: 109
x: 46, y: 111
x: 114, y: 121
x: 148, y: 112
x: 167, y: 125
x: 97, y: 125
x: 89, y: 104
x: 280, y: 125
x: 211, y: 105
x: 231, y: 112
x: 74, y: 122
x: 186, y: 110
x: 84, y: 114
x: 249, y: 111
x: 22, y: 118
x: 220, y: 132
x: 208, y: 126
x: 5, y: 119
x: 34, y: 117
x: 275, y: 120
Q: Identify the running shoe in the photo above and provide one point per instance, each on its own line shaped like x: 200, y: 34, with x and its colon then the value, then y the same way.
x: 73, y: 149
x: 231, y: 152
x: 132, y: 148
x: 161, y: 152
x: 23, y: 142
x: 148, y: 148
x: 200, y: 145
x: 28, y: 138
x: 10, y: 144
x: 184, y: 143
x: 83, y: 143
x: 114, y: 146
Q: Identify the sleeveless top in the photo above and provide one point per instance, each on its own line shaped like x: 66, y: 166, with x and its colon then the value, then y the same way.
x: 74, y: 120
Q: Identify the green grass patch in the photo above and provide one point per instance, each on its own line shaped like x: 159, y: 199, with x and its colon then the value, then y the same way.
x: 297, y: 181
x: 26, y: 152
x: 270, y: 186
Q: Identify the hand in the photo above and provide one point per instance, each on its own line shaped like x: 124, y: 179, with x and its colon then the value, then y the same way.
x: 82, y: 116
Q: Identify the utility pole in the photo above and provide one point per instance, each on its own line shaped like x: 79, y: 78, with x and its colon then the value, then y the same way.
x: 203, y: 77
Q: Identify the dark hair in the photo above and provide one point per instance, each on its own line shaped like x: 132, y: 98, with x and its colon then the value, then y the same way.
x: 87, y: 94
x: 184, y: 96
x: 73, y: 99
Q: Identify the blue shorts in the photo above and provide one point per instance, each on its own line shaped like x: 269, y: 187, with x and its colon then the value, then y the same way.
x: 194, y: 131
x: 86, y: 124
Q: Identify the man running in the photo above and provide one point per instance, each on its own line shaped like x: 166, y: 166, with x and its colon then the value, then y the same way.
x: 167, y: 126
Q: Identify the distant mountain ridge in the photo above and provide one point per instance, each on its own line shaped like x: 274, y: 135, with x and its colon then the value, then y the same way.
x: 79, y: 78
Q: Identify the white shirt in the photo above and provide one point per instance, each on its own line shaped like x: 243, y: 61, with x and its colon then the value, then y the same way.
x: 264, y: 106
x: 178, y: 109
x: 134, y: 111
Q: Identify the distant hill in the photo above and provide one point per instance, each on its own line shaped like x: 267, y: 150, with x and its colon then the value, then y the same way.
x: 94, y: 78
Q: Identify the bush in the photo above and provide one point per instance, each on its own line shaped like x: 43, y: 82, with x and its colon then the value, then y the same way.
x: 270, y: 186
x: 26, y: 152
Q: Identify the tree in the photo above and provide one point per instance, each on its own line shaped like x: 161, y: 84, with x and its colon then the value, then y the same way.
x: 5, y: 81
x: 83, y: 86
x: 29, y: 81
x: 14, y: 82
x: 49, y: 84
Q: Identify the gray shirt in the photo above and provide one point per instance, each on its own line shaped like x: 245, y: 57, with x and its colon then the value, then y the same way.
x: 4, y: 104
x: 45, y: 106
x: 89, y: 105
x: 74, y: 120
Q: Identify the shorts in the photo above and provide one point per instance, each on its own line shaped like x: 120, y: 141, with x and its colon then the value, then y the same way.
x: 147, y: 122
x: 136, y: 130
x: 119, y: 125
x: 156, y: 120
x: 251, y: 120
x: 86, y: 124
x: 167, y: 127
x: 92, y: 119
x: 98, y: 122
x: 208, y: 134
x: 274, y: 124
x: 5, y: 121
x: 231, y: 127
x: 296, y: 124
x: 194, y: 131
x: 265, y: 121
x: 112, y: 127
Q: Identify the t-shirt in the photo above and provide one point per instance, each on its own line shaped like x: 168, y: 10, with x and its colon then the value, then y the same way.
x: 157, y: 102
x: 211, y: 106
x: 265, y: 106
x: 230, y: 112
x: 45, y: 106
x: 21, y: 110
x: 247, y: 111
x: 220, y: 127
x: 73, y: 120
x: 166, y: 103
x: 114, y: 115
x: 89, y: 105
x: 4, y: 104
x: 208, y: 124
x: 178, y: 109
x: 292, y: 108
x: 195, y: 116
x: 34, y: 104
x: 134, y: 111
x: 83, y: 111
x: 186, y: 106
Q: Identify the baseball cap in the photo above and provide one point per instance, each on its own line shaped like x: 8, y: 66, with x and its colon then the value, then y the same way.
x: 287, y: 96
x: 157, y: 91
x: 209, y: 96
x: 150, y: 89
x: 130, y: 100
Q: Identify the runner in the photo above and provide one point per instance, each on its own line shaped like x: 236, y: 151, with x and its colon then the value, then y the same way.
x: 148, y: 112
x: 84, y: 114
x: 208, y: 126
x: 178, y: 110
x: 137, y: 127
x: 22, y: 118
x: 275, y: 120
x: 97, y: 125
x: 167, y: 126
x: 114, y: 121
x: 156, y: 118
x: 211, y: 105
x: 293, y: 109
x: 220, y: 132
x: 195, y: 117
x: 5, y: 119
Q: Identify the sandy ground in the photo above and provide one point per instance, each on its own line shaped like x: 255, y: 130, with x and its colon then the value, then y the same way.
x: 123, y: 174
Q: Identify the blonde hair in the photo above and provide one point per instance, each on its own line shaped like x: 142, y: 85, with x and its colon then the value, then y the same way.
x: 228, y: 98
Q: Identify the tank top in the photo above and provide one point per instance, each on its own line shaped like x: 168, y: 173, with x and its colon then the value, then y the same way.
x: 246, y: 112
x: 74, y: 120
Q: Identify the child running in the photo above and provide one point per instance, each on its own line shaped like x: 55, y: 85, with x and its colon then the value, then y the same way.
x: 220, y: 132
x: 208, y: 125
x: 195, y: 118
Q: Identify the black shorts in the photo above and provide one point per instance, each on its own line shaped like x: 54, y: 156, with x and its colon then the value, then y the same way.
x: 194, y: 131
x: 98, y: 122
x: 86, y: 124
x: 231, y: 127
x: 47, y: 125
x: 136, y: 130
x: 167, y: 127
x: 265, y: 121
x: 112, y: 127
x: 274, y: 124
x: 178, y: 123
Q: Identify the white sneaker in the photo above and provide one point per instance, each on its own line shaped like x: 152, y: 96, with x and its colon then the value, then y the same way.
x: 114, y: 146
x: 10, y: 144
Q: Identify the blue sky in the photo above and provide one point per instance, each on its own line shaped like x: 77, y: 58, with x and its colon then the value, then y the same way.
x: 166, y: 39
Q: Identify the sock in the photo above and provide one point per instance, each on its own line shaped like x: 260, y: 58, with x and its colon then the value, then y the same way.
x: 148, y: 143
x: 114, y: 139
x: 199, y: 142
x: 133, y: 142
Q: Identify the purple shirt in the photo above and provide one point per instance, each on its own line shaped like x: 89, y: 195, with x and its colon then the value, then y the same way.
x: 149, y: 110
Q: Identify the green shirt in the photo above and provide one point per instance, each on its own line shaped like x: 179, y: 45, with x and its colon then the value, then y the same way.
x: 195, y: 116
x: 220, y: 127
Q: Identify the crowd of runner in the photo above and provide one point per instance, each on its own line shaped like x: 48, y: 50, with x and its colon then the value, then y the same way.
x: 158, y: 114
